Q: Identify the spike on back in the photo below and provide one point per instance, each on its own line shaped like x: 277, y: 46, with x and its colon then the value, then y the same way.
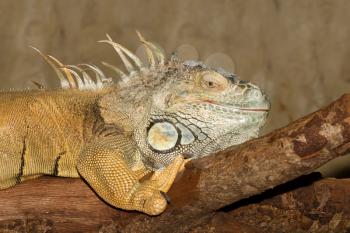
x: 63, y: 80
x: 149, y: 52
x: 122, y: 75
x: 76, y: 77
x: 152, y: 49
x: 69, y: 75
x: 155, y: 55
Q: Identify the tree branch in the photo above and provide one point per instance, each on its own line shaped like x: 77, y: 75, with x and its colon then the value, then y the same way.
x: 207, y: 185
x: 306, y: 204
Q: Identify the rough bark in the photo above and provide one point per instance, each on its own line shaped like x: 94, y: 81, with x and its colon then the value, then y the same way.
x: 206, y: 187
x: 307, y: 204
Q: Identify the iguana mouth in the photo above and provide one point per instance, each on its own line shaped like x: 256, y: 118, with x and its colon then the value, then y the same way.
x: 263, y: 108
x: 253, y: 109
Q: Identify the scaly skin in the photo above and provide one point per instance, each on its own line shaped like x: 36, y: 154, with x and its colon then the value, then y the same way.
x: 113, y: 135
x: 43, y: 132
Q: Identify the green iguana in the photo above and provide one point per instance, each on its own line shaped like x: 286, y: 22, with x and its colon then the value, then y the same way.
x: 130, y: 139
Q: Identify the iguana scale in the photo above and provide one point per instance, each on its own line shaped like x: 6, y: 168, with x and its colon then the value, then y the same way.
x: 130, y: 139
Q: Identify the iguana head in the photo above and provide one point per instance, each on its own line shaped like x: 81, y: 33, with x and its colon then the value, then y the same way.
x: 199, y: 110
x: 171, y: 108
x: 188, y: 108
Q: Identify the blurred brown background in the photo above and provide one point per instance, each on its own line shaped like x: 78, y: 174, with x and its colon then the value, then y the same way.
x: 298, y: 51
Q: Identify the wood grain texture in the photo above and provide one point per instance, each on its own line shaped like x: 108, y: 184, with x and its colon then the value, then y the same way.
x: 207, y: 185
x: 307, y: 204
x: 58, y: 204
x: 302, y: 205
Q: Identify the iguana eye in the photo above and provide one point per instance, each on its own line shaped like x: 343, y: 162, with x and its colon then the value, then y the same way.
x: 212, y: 80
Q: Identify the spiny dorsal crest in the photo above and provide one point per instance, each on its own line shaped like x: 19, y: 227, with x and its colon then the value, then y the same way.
x: 77, y: 77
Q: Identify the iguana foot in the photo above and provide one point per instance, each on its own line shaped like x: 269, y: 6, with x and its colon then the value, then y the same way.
x: 104, y: 168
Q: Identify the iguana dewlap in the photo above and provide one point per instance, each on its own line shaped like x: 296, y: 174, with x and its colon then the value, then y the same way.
x: 113, y: 135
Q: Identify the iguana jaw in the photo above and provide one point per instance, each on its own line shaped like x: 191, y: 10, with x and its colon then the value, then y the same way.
x: 263, y: 107
x: 253, y: 109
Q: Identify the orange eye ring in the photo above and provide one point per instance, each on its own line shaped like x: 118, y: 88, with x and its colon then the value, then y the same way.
x: 210, y: 80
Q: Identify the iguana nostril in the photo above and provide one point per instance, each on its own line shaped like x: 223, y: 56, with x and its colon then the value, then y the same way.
x: 242, y: 86
x: 243, y: 82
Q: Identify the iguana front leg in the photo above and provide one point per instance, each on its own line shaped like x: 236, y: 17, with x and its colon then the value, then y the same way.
x: 165, y: 177
x: 103, y: 166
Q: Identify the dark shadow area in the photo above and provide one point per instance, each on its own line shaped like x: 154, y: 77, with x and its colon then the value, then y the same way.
x: 299, y: 182
x: 343, y: 173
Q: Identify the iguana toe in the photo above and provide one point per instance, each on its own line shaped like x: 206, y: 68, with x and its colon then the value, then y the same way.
x: 155, y: 205
x: 148, y: 199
